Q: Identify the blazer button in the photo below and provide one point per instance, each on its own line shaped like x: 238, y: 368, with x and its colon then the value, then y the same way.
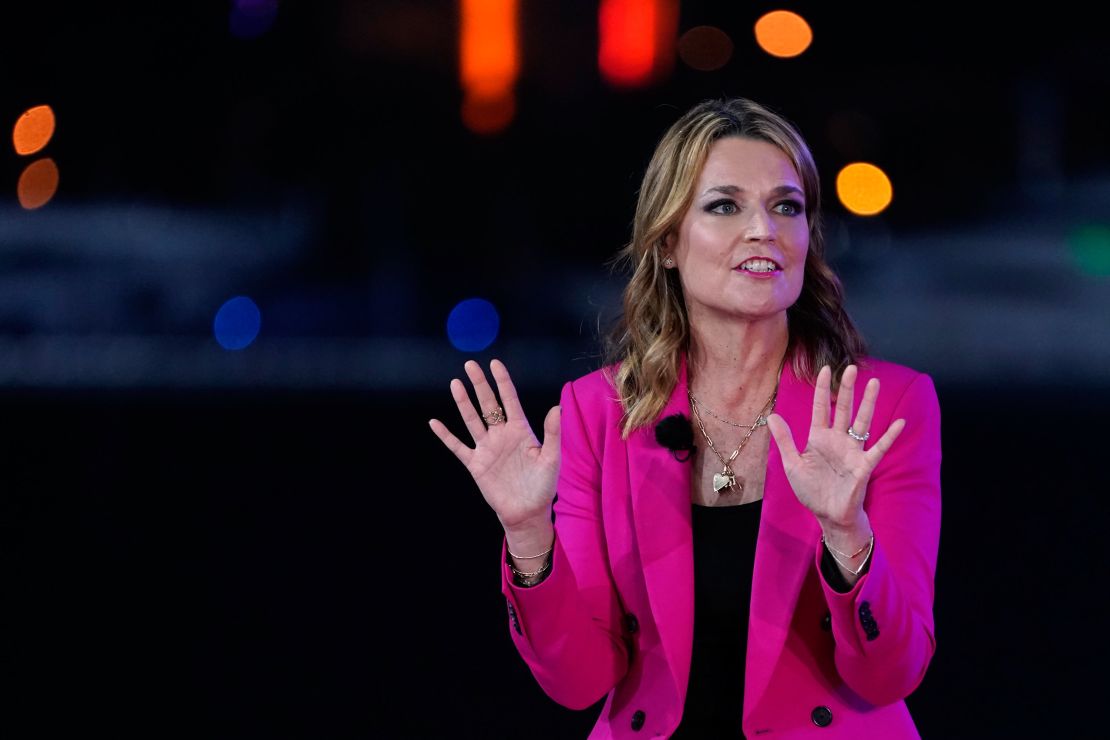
x: 821, y: 716
x: 631, y: 623
x: 826, y: 622
x: 638, y: 719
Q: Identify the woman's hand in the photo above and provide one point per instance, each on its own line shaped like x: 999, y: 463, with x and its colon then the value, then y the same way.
x: 515, y: 474
x: 830, y: 476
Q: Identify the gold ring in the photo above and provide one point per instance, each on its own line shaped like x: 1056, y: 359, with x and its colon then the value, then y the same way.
x: 497, y: 416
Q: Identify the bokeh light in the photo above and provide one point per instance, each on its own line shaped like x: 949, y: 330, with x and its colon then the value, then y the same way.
x: 1090, y: 245
x: 488, y: 115
x: 705, y: 48
x: 782, y: 33
x: 473, y: 324
x: 33, y: 130
x: 237, y: 323
x: 864, y: 189
x: 489, y: 63
x: 251, y: 18
x: 37, y: 184
x: 635, y: 40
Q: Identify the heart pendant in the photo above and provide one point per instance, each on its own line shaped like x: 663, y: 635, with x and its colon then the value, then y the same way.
x: 722, y: 480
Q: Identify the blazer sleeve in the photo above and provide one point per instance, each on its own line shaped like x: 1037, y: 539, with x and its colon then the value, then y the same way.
x: 567, y: 628
x: 883, y: 626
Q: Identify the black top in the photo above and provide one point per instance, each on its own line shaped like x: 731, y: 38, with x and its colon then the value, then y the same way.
x: 724, y: 557
x: 724, y: 553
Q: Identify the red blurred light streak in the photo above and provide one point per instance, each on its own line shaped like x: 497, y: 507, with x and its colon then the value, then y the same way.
x: 637, y: 39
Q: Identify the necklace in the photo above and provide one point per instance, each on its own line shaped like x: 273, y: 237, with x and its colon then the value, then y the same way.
x: 726, y: 479
x: 758, y: 422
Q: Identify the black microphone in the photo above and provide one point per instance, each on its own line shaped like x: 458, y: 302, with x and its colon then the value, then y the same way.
x: 675, y: 433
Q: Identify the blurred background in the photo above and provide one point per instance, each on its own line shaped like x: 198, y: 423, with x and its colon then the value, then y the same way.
x: 245, y: 245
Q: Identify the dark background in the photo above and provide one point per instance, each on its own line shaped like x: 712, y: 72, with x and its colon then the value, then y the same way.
x: 270, y: 542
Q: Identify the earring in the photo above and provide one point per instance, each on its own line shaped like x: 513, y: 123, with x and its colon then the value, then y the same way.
x: 668, y: 262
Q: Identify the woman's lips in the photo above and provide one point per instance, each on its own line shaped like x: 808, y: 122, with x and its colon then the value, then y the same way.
x: 758, y: 275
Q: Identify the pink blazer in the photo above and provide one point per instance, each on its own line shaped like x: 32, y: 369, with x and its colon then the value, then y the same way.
x: 615, y: 616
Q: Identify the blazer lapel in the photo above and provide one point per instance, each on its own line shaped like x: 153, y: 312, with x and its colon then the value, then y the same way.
x: 788, y: 533
x: 664, y: 534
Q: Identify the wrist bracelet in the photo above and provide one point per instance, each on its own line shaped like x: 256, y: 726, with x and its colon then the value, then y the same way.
x: 531, y: 557
x: 869, y: 547
x: 844, y: 554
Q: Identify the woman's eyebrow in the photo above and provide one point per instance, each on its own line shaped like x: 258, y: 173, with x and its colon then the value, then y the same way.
x: 734, y: 189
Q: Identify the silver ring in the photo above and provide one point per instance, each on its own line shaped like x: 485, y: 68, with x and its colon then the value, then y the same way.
x: 497, y: 416
x: 857, y: 437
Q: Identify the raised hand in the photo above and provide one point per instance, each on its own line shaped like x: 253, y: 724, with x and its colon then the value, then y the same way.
x: 516, y: 475
x: 830, y: 476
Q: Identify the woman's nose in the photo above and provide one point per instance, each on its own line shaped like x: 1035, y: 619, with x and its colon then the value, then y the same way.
x: 759, y: 226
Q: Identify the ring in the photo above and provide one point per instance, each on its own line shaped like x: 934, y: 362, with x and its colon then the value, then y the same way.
x: 497, y: 416
x: 859, y: 437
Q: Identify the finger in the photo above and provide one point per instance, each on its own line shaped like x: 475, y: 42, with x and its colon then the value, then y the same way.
x: 844, y: 399
x: 505, y: 388
x: 862, y: 424
x: 885, y: 442
x: 487, y: 401
x: 474, y: 423
x: 453, y: 443
x: 821, y: 399
x: 552, y: 430
x: 783, y: 438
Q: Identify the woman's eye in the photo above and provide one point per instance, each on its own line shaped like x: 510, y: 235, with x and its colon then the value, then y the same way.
x: 724, y: 207
x: 790, y: 208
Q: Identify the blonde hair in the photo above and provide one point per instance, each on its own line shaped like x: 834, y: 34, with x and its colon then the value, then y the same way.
x: 654, y: 329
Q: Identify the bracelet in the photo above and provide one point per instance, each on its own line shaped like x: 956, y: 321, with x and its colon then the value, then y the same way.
x: 524, y: 578
x: 532, y: 557
x: 844, y: 554
x: 869, y: 547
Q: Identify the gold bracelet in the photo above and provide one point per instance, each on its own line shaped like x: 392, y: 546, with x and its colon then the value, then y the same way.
x: 524, y: 578
x: 532, y: 557
x: 870, y: 547
x: 844, y: 554
x: 527, y: 574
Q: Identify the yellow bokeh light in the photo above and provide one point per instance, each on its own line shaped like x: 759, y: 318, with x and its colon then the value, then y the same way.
x: 781, y: 33
x: 33, y: 129
x: 864, y: 189
x: 37, y: 184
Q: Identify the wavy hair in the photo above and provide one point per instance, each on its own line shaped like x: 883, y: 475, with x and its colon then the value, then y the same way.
x: 654, y: 328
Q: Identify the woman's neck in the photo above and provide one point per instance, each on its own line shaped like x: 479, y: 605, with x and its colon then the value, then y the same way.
x: 736, y: 368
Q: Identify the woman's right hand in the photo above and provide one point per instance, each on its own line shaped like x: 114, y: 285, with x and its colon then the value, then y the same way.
x: 515, y: 474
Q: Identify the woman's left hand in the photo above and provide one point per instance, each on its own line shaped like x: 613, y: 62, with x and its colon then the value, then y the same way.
x: 830, y: 476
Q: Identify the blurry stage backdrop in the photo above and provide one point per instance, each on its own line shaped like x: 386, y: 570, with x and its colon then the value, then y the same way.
x: 245, y: 245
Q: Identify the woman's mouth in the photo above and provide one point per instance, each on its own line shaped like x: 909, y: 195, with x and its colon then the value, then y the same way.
x: 760, y: 267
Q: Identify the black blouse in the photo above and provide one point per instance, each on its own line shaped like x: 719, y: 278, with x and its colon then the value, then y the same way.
x: 724, y: 553
x: 724, y: 556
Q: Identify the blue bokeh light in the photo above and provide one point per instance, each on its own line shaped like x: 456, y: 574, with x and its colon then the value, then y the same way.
x: 473, y: 325
x: 252, y: 18
x: 237, y: 323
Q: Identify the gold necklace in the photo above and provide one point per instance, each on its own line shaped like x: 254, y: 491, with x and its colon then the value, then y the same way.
x: 726, y: 479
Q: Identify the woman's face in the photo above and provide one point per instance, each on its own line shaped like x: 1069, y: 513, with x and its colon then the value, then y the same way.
x: 740, y: 250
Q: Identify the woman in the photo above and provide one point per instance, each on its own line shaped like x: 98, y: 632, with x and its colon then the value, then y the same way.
x: 704, y: 580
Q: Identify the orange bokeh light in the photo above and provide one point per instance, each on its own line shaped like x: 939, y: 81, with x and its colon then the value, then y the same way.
x: 37, y: 184
x: 33, y: 129
x: 705, y: 48
x: 489, y: 60
x: 488, y: 115
x: 864, y: 189
x: 782, y: 33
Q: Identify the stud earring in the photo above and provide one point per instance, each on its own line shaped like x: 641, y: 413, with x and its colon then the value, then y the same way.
x: 668, y: 262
